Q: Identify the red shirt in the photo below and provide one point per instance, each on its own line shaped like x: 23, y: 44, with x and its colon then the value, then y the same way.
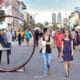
x: 58, y: 39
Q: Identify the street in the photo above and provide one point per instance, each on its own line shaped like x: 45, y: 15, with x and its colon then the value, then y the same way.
x: 33, y: 70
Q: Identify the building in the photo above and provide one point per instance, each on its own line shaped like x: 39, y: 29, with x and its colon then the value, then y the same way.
x: 13, y: 8
x: 59, y: 18
x: 53, y: 18
x: 22, y: 13
x: 66, y: 22
x: 77, y: 9
x: 74, y: 19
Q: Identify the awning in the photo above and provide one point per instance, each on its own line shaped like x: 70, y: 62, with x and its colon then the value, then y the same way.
x: 2, y: 26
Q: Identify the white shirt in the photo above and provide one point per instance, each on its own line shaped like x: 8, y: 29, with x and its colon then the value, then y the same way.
x: 53, y: 32
x: 9, y: 37
x: 73, y: 34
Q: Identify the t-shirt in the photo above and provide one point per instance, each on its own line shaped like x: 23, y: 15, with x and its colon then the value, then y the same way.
x: 22, y: 34
x: 73, y: 34
x: 27, y: 34
x: 53, y: 33
x: 58, y: 39
x: 9, y: 37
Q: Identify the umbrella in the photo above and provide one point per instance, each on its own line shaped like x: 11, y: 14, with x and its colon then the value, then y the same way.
x: 78, y: 27
x: 2, y: 26
x: 37, y: 28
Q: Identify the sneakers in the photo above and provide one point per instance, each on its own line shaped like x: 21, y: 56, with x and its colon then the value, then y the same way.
x: 60, y: 60
x: 20, y: 70
x: 49, y: 72
x: 45, y: 75
x: 66, y: 74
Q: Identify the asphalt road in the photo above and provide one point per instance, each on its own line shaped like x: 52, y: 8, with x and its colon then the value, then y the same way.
x: 33, y: 70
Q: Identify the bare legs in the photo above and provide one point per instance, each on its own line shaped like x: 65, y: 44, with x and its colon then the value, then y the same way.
x: 27, y: 42
x: 67, y: 67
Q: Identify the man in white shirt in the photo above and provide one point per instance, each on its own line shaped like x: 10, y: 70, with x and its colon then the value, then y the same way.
x: 9, y: 37
x: 73, y: 37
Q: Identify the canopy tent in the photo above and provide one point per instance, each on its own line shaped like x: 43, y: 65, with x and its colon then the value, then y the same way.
x: 78, y: 27
x: 2, y: 26
x: 37, y: 28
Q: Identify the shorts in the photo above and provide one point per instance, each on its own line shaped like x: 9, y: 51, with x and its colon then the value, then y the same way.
x: 59, y: 49
x: 27, y: 39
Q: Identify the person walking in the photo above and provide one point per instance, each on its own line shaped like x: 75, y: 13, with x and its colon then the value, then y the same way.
x: 73, y: 35
x: 67, y: 51
x: 58, y: 42
x: 36, y: 33
x: 1, y: 41
x: 19, y: 38
x: 76, y: 39
x: 6, y: 43
x: 46, y: 42
x: 27, y: 36
x: 22, y: 35
x: 9, y: 37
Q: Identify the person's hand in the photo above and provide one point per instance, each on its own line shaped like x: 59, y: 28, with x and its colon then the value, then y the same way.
x: 72, y: 53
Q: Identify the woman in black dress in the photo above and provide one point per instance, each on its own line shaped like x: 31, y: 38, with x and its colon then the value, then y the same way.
x: 67, y: 51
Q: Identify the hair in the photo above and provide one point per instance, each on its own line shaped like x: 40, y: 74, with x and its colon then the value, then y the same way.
x: 73, y: 29
x: 77, y: 34
x: 69, y: 36
x: 45, y: 30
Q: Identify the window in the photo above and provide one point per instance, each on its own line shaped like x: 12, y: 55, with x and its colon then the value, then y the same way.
x: 1, y: 13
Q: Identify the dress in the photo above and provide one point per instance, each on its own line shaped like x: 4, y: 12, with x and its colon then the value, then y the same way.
x: 67, y: 50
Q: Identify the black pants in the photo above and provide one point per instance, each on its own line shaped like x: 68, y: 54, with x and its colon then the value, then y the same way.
x: 19, y: 42
x: 73, y: 43
x: 8, y: 53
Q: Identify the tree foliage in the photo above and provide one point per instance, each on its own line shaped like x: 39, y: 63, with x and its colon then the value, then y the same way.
x: 24, y: 26
x: 54, y: 27
x: 2, y: 13
x: 40, y: 25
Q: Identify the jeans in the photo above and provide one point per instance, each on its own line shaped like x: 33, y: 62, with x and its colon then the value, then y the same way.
x: 47, y: 61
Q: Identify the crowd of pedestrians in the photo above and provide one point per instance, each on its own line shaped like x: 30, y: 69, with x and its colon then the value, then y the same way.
x: 21, y: 35
x: 66, y: 42
x: 5, y: 42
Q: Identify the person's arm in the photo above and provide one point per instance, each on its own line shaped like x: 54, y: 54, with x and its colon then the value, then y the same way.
x: 51, y: 41
x: 72, y: 48
x: 62, y: 47
x: 54, y: 40
x: 40, y: 41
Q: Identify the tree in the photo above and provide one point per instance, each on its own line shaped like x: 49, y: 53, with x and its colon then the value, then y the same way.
x: 24, y: 26
x: 2, y: 13
x: 75, y: 25
x: 54, y: 27
x: 40, y: 25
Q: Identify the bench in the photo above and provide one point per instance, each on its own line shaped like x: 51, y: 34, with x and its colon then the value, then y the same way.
x: 5, y: 49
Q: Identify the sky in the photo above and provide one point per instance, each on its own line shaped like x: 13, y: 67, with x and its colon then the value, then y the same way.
x: 42, y: 9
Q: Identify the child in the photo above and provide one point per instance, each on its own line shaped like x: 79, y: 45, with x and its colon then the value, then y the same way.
x: 67, y: 51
